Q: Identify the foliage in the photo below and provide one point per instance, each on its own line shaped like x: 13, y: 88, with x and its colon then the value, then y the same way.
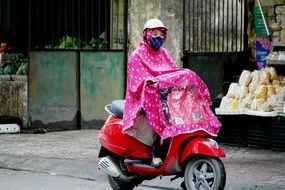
x: 98, y: 44
x: 16, y: 65
x: 69, y: 42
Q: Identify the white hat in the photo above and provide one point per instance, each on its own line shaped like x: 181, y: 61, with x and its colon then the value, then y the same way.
x: 154, y: 23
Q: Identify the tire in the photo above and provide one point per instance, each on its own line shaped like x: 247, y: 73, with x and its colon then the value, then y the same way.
x: 117, y: 184
x: 205, y: 173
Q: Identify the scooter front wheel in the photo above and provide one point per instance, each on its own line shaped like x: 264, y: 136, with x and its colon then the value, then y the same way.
x: 205, y: 173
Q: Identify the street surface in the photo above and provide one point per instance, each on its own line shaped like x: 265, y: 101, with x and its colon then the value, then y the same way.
x: 28, y: 180
x: 25, y: 180
x: 68, y: 160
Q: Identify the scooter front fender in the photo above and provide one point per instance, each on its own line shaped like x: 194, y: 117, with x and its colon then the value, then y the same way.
x: 202, y: 146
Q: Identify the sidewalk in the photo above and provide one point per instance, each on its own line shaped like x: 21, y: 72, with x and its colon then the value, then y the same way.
x: 74, y: 153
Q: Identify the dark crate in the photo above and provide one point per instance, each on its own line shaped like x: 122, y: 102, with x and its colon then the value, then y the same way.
x: 258, y: 137
x: 277, y: 133
x: 258, y: 132
x: 233, y: 130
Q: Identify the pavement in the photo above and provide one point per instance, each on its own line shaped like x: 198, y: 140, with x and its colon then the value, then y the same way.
x: 75, y: 153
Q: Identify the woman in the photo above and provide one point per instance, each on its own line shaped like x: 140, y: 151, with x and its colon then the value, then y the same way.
x: 157, y: 88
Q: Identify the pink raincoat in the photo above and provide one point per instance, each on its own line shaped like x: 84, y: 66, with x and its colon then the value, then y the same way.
x: 187, y: 100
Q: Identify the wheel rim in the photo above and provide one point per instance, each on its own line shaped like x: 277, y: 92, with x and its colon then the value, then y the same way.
x: 202, y: 175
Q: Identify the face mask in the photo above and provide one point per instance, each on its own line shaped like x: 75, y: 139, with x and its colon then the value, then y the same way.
x: 156, y: 42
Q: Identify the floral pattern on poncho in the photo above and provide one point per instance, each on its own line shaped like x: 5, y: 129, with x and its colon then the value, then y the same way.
x: 186, y: 106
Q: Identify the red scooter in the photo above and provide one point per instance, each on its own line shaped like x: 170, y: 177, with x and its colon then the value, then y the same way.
x: 126, y: 161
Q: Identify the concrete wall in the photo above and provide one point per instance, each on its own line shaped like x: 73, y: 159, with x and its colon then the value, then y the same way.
x: 13, y: 97
x: 171, y: 14
x: 271, y: 2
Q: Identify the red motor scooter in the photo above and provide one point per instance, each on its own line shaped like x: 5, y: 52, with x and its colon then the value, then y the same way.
x: 126, y: 161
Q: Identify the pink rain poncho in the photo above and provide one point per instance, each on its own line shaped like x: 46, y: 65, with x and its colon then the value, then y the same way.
x: 178, y: 102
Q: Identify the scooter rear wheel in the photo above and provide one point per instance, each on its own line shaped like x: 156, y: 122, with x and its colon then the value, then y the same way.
x: 205, y: 173
x: 118, y: 184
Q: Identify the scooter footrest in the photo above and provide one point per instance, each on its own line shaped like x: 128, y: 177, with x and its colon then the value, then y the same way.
x: 133, y: 161
x: 142, y: 165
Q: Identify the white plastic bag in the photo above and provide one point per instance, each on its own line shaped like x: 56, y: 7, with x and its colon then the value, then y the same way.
x: 142, y: 130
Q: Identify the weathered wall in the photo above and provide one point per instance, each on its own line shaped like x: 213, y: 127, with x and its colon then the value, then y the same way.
x: 53, y: 89
x: 13, y: 96
x: 102, y: 76
x: 271, y: 2
x: 170, y: 12
x: 68, y: 89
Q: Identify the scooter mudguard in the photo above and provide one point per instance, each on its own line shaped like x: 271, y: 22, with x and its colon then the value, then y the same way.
x: 112, y: 138
x: 202, y: 146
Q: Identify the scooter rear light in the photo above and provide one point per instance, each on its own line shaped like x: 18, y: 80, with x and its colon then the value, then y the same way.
x: 214, y: 143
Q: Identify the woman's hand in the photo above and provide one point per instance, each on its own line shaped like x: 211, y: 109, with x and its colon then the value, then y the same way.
x: 150, y: 82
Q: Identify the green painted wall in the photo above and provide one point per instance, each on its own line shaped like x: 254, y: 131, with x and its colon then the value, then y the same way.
x: 52, y: 88
x: 101, y: 81
x: 58, y: 78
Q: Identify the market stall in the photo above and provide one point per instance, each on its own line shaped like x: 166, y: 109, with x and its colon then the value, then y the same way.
x: 252, y: 111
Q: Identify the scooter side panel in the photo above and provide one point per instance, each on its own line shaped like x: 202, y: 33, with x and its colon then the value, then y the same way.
x: 202, y: 146
x: 112, y: 138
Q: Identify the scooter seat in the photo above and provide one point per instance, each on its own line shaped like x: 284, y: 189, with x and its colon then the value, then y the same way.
x: 117, y: 107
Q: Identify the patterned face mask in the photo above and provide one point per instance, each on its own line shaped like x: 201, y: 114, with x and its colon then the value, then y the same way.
x: 156, y: 42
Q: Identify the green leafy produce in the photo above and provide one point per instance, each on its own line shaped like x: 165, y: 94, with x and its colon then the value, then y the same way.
x: 70, y: 42
x: 99, y: 44
x: 10, y: 70
x: 15, y: 65
x: 23, y: 70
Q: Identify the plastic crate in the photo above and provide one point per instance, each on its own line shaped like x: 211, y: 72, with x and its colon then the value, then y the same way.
x: 277, y: 133
x: 233, y: 130
x: 258, y: 132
